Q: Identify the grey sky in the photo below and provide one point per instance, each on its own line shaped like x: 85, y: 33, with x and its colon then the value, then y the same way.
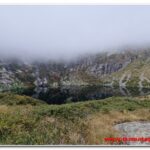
x: 63, y: 32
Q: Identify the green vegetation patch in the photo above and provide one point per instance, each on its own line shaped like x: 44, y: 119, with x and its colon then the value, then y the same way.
x: 14, y: 99
x: 24, y: 120
x: 83, y: 109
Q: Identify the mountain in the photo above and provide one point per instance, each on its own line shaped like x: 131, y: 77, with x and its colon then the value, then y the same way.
x: 127, y: 68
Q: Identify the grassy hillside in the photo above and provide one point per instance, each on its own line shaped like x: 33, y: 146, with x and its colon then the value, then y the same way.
x: 14, y: 99
x: 136, y: 72
x: 34, y: 122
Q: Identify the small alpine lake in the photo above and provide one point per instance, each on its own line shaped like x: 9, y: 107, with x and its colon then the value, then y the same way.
x: 68, y: 94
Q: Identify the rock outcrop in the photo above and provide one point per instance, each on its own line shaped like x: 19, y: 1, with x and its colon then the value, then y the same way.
x: 118, y: 69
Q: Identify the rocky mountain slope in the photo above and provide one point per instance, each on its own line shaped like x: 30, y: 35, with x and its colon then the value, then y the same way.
x: 125, y: 68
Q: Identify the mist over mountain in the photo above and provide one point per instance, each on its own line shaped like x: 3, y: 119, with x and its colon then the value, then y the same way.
x: 51, y: 46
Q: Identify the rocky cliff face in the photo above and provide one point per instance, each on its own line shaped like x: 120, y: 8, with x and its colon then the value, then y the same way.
x: 127, y: 68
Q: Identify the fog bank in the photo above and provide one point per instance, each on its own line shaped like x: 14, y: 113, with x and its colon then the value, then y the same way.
x: 65, y: 32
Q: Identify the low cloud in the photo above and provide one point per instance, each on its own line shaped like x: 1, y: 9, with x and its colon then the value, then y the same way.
x: 66, y: 32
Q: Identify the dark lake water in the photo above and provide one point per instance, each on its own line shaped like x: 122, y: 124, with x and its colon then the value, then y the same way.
x: 69, y: 94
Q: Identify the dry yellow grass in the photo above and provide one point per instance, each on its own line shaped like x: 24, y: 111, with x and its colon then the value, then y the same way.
x: 101, y: 125
x: 4, y: 109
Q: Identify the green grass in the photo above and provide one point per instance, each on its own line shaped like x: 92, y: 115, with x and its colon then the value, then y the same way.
x: 14, y: 99
x: 83, y: 109
x: 24, y: 120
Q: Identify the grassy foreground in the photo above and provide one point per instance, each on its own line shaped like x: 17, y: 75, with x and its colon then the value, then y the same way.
x: 26, y: 121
